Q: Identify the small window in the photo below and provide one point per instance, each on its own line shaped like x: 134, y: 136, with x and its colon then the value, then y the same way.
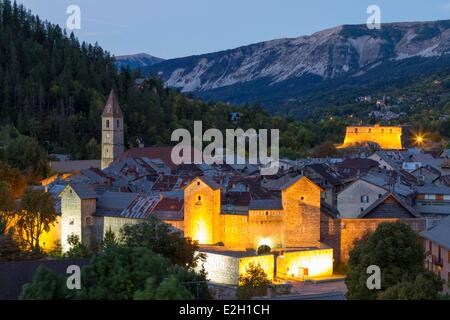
x: 89, y: 221
x: 198, y: 183
x: 430, y: 197
x: 118, y: 123
x: 302, y: 198
x: 199, y: 198
x: 365, y: 199
x: 362, y: 209
x: 379, y: 196
x: 107, y: 123
x: 370, y: 130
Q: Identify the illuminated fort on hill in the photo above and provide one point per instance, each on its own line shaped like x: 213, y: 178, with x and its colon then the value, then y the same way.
x: 387, y: 137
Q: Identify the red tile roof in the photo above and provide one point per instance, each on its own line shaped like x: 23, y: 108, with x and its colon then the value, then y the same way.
x: 169, y: 209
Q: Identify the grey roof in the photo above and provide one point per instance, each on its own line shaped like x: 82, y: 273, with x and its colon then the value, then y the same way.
x: 73, y: 165
x: 126, y: 205
x: 332, y: 176
x: 116, y: 200
x: 84, y: 190
x: 55, y: 190
x: 382, y: 199
x: 381, y: 181
x: 140, y: 207
x: 291, y: 182
x: 389, y: 157
x: 446, y: 153
x: 210, y: 182
x: 93, y: 176
x: 433, y: 209
x: 265, y: 204
x: 439, y: 234
x: 329, y: 210
x: 434, y: 190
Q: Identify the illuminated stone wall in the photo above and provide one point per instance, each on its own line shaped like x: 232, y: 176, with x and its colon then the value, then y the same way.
x: 221, y: 268
x: 236, y: 231
x: 352, y: 230
x: 319, y: 263
x: 298, y: 225
x: 253, y: 230
x: 385, y: 137
x: 202, y: 213
x: 116, y: 223
x: 330, y: 234
x: 49, y: 240
x: 301, y: 203
x: 52, y: 239
x: 226, y: 269
x: 267, y: 263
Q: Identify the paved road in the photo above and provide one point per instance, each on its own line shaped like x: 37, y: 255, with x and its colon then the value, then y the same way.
x: 333, y: 290
x: 322, y: 296
x: 319, y: 288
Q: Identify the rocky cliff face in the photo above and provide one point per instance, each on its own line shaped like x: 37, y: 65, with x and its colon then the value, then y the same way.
x: 342, y: 52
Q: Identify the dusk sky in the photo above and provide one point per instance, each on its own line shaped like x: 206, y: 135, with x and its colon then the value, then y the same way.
x: 177, y: 28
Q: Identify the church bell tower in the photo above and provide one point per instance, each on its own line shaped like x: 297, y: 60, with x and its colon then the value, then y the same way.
x: 112, y: 131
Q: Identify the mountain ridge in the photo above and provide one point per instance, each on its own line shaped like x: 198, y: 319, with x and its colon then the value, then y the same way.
x: 136, y: 61
x: 333, y: 53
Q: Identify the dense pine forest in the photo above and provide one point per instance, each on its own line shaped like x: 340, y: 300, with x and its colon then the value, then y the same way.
x: 54, y: 89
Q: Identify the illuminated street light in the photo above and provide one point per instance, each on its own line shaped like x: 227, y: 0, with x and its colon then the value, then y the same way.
x: 420, y: 139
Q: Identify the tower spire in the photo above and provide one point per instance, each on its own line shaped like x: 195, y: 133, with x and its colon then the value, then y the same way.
x: 112, y: 108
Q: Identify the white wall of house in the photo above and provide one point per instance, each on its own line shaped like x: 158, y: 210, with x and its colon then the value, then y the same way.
x: 357, y: 197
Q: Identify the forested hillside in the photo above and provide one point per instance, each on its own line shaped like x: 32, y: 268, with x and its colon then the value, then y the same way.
x: 53, y: 89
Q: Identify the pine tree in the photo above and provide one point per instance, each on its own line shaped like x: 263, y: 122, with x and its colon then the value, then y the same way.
x: 46, y: 285
x: 109, y: 240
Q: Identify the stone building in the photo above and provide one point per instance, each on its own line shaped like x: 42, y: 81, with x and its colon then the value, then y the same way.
x: 292, y: 221
x: 290, y: 226
x: 388, y: 138
x: 89, y: 214
x: 357, y: 197
x: 437, y: 246
x: 112, y: 131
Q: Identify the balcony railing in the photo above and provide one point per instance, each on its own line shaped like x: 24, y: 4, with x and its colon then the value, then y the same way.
x: 437, y: 261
